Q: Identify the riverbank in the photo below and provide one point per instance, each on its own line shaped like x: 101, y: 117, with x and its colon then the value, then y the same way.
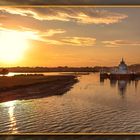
x: 29, y: 87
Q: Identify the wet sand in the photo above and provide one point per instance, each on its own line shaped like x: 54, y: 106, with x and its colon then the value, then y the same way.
x: 30, y: 87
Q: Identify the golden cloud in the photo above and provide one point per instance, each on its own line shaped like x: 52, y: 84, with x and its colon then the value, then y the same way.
x: 117, y: 43
x: 44, y: 36
x: 79, y: 15
x: 70, y: 41
x: 79, y: 41
x: 45, y: 33
x: 36, y: 34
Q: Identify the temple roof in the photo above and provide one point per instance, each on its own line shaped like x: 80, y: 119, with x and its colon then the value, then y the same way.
x: 122, y: 63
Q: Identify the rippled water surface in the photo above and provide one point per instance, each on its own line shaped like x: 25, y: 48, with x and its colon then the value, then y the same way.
x: 92, y: 105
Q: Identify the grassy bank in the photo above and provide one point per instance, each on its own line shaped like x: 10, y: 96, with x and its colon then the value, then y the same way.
x: 28, y: 87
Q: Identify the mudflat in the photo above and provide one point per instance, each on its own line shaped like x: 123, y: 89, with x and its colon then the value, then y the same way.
x: 34, y: 86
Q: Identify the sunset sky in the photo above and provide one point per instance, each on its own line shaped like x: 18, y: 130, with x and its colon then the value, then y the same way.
x: 67, y: 36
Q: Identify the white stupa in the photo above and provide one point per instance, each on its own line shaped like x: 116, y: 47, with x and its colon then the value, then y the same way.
x: 122, y: 68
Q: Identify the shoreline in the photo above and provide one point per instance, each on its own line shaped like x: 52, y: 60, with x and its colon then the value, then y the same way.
x: 48, y: 86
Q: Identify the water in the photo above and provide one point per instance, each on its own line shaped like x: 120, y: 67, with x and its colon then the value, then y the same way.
x: 92, y: 105
x: 45, y: 73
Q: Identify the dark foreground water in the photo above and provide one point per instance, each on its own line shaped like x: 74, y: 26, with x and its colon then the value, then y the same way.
x: 92, y: 105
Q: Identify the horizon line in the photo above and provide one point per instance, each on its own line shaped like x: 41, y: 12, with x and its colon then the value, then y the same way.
x: 62, y: 66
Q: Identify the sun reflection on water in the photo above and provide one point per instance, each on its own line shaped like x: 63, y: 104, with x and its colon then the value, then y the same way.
x: 11, y: 108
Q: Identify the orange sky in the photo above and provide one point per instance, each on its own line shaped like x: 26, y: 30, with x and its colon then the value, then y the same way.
x: 69, y: 36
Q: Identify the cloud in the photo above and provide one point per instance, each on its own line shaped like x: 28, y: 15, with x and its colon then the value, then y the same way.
x: 44, y: 36
x: 118, y: 43
x: 52, y: 32
x: 45, y: 33
x: 35, y: 2
x: 79, y: 41
x: 79, y: 15
x: 37, y: 35
x: 70, y: 41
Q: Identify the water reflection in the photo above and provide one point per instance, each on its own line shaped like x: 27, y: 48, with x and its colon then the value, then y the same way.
x: 45, y: 73
x: 89, y: 107
x: 121, y: 84
x: 12, y: 119
x: 122, y: 87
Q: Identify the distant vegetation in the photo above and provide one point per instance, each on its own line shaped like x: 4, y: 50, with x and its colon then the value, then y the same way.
x: 134, y: 67
x: 51, y: 69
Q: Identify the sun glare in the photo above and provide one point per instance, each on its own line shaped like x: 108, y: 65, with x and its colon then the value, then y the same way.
x: 12, y: 46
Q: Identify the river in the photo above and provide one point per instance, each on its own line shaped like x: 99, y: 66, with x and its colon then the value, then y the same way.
x: 92, y: 106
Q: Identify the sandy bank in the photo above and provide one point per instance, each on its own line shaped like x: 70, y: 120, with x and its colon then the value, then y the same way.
x: 29, y: 87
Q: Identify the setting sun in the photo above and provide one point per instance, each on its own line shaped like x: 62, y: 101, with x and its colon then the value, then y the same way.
x: 12, y: 46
